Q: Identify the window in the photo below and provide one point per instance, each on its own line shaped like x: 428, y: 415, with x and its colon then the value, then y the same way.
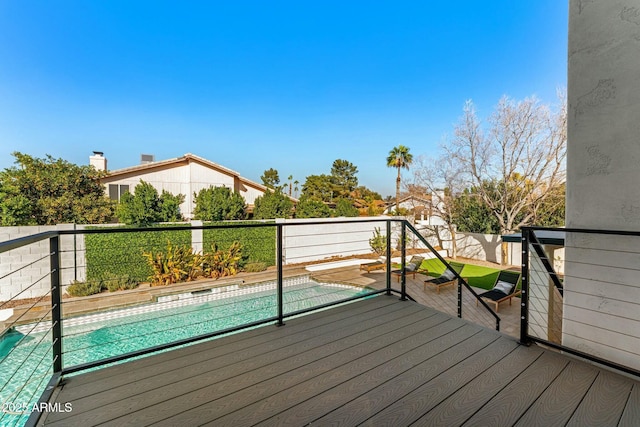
x: 116, y: 191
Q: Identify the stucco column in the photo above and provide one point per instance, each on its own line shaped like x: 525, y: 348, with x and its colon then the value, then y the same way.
x: 603, y: 152
x: 603, y: 179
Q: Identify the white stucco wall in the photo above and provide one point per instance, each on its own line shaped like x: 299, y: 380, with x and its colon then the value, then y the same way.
x: 601, y: 304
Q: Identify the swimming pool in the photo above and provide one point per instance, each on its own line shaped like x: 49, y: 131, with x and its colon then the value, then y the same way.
x: 26, y: 352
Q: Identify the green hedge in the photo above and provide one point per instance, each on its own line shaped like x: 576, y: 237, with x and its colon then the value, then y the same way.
x: 121, y: 253
x: 258, y: 243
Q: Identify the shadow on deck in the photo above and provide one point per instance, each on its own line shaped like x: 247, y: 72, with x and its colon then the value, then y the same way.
x: 375, y: 362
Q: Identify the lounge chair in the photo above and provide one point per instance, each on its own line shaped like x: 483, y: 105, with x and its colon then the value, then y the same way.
x: 447, y: 278
x: 505, y: 288
x: 412, y: 267
x: 374, y: 265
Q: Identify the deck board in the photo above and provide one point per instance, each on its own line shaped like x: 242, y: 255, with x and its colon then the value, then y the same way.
x: 409, y: 408
x: 631, y: 413
x: 193, y: 368
x: 512, y: 402
x: 460, y: 406
x: 361, y: 382
x: 379, y: 361
x: 604, y: 403
x: 168, y: 383
x: 303, y: 383
x: 558, y: 403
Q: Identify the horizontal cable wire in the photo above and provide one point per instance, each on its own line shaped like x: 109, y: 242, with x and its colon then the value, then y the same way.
x: 206, y: 309
x: 48, y: 294
x: 27, y: 288
x: 25, y: 359
x: 24, y: 266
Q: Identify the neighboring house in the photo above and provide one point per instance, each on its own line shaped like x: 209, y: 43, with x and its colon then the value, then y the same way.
x: 185, y: 175
x: 421, y: 207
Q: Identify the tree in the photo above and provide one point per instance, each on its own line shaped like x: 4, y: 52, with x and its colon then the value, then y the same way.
x: 524, y: 152
x: 344, y: 207
x: 312, y: 208
x: 170, y: 207
x: 218, y: 204
x: 440, y: 180
x: 270, y: 178
x: 295, y: 188
x: 399, y: 157
x: 363, y: 192
x: 551, y: 212
x: 52, y: 191
x: 273, y: 204
x: 145, y: 207
x: 471, y: 215
x: 290, y: 178
x: 343, y: 177
x: 318, y: 187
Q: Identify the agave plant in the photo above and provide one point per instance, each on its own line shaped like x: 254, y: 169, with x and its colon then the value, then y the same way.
x: 176, y: 264
x: 220, y: 263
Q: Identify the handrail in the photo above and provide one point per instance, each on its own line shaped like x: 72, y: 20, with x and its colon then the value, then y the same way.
x: 535, y: 243
x: 460, y: 279
x: 530, y: 240
x: 22, y: 241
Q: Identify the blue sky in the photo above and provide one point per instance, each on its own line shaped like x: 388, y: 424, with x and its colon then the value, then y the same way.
x: 252, y: 85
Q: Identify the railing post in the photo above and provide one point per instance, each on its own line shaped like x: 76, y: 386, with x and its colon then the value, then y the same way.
x: 279, y: 279
x: 459, y: 299
x: 56, y: 301
x: 388, y: 267
x: 403, y: 250
x: 524, y: 297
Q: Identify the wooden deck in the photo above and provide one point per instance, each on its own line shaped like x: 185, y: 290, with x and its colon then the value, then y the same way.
x: 377, y: 362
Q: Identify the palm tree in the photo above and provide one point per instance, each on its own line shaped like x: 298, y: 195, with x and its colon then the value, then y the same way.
x: 295, y: 189
x: 290, y: 186
x: 399, y: 158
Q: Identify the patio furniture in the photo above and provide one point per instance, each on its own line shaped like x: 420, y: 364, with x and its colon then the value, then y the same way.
x: 374, y: 265
x: 505, y: 288
x: 447, y: 278
x: 412, y: 267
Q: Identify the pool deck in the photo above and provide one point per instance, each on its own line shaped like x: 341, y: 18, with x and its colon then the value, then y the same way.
x: 379, y: 361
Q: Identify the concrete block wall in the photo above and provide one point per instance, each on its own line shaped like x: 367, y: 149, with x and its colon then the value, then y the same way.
x: 25, y: 272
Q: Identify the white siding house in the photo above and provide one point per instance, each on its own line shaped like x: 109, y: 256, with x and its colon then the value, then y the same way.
x: 185, y: 175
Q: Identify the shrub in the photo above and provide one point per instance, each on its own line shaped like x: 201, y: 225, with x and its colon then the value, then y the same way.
x: 255, y: 267
x: 145, y: 207
x: 378, y: 242
x: 113, y: 282
x: 273, y: 204
x: 220, y: 263
x: 83, y: 289
x: 219, y: 203
x: 176, y: 264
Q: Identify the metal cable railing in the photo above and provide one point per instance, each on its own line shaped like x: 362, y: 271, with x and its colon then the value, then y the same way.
x: 476, y: 310
x: 580, y: 293
x: 26, y: 348
x: 90, y: 254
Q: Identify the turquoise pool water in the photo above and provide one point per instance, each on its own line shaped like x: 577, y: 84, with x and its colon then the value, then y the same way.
x: 26, y: 355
